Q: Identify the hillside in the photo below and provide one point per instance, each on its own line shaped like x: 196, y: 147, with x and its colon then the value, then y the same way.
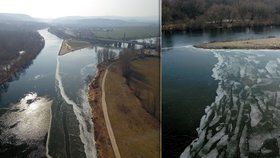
x: 15, y: 17
x: 10, y: 21
x: 17, y: 49
x: 105, y: 21
x: 213, y: 14
x: 102, y: 30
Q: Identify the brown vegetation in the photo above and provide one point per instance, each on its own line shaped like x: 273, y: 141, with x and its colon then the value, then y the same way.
x: 206, y: 14
x: 135, y: 124
x: 105, y: 55
x: 142, y: 75
x: 135, y: 130
x: 70, y: 45
x: 17, y: 49
x: 145, y: 83
x: 103, y: 143
x: 268, y: 43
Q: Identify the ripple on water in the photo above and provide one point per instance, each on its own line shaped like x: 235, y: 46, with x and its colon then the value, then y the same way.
x: 26, y: 124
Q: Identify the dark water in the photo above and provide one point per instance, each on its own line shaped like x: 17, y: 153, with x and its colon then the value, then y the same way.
x: 25, y: 104
x: 188, y: 85
x: 72, y: 124
x: 71, y: 127
x: 243, y: 120
x: 44, y: 110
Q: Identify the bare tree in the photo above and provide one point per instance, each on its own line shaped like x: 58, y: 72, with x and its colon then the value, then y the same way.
x: 104, y: 55
x: 125, y: 57
x: 112, y: 55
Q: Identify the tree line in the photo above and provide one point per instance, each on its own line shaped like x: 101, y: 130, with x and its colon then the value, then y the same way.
x: 201, y: 14
x: 18, y: 47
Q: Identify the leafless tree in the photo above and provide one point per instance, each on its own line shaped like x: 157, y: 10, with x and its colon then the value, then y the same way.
x: 125, y: 57
x: 104, y: 55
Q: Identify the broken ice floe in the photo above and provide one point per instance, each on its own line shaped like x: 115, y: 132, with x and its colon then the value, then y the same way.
x: 244, y: 120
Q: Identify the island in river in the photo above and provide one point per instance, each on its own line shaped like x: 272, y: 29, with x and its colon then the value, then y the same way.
x: 70, y: 45
x: 264, y: 43
x: 242, y: 121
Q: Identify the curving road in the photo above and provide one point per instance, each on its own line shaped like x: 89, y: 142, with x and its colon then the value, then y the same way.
x: 106, y: 116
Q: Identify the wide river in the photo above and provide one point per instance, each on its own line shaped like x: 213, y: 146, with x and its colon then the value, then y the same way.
x: 44, y: 110
x: 220, y: 103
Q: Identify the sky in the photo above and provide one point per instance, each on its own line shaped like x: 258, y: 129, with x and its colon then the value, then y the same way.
x: 60, y: 8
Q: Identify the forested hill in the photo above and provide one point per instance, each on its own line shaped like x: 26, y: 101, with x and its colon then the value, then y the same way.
x: 209, y: 14
x: 20, y: 43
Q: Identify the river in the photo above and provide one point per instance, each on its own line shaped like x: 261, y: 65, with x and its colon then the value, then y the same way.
x: 44, y: 110
x: 220, y: 102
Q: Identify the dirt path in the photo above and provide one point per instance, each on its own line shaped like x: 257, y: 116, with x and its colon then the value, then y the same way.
x: 106, y: 116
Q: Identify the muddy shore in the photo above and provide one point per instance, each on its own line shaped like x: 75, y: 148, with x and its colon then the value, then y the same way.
x: 103, y: 143
x: 71, y: 45
x: 265, y: 43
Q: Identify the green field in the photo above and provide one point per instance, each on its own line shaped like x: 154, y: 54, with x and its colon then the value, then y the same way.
x: 135, y: 32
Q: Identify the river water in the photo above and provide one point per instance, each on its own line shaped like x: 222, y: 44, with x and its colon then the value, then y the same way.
x: 220, y: 103
x: 44, y: 110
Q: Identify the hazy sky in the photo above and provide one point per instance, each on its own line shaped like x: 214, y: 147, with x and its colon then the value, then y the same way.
x: 59, y: 8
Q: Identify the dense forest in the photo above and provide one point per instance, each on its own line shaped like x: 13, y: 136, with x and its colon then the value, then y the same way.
x: 213, y: 14
x: 18, y: 47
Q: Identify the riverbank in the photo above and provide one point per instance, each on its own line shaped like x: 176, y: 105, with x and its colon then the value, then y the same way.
x: 265, y: 43
x: 206, y: 26
x: 136, y: 131
x: 70, y: 45
x: 135, y: 125
x: 103, y: 143
x: 144, y: 82
x: 17, y: 50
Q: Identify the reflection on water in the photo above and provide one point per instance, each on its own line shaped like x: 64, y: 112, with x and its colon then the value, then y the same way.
x: 24, y: 124
x: 25, y: 104
x: 44, y: 111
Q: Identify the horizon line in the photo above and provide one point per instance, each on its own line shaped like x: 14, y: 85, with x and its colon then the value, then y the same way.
x: 108, y: 16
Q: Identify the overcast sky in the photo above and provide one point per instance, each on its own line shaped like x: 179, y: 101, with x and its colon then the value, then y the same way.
x: 60, y: 8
